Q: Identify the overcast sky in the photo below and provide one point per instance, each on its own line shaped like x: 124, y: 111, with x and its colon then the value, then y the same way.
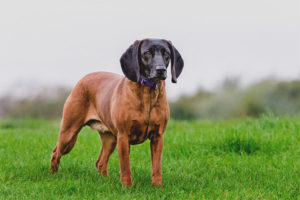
x: 58, y: 42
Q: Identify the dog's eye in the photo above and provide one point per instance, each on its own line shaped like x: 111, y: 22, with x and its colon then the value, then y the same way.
x: 166, y: 55
x: 148, y: 53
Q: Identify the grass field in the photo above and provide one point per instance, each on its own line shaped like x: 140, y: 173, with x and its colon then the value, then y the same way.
x: 236, y: 159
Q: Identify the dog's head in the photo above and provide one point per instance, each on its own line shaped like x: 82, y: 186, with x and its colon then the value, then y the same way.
x: 149, y: 58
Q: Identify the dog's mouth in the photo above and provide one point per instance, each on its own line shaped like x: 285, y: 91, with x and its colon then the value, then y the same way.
x: 154, y: 76
x: 157, y: 78
x: 161, y: 77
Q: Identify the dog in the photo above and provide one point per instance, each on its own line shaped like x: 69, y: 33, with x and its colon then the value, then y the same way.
x: 124, y: 110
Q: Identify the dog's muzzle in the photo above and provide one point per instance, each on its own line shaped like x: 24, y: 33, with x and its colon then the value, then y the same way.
x: 161, y: 69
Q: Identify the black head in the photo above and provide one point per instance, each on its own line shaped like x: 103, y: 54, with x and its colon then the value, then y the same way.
x: 150, y: 58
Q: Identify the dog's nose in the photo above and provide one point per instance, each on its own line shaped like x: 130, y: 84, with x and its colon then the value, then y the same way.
x: 161, y: 69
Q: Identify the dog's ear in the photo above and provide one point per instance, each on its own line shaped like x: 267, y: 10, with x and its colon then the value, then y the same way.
x: 176, y: 62
x: 130, y: 62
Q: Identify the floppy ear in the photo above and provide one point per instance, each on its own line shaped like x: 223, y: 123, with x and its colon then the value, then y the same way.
x: 130, y: 62
x: 176, y: 63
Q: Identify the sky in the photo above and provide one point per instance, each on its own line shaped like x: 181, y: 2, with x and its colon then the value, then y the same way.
x: 58, y: 42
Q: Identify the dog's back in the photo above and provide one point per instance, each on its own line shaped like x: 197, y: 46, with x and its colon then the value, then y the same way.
x: 94, y: 82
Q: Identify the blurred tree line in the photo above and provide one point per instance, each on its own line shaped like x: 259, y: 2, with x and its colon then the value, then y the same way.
x: 44, y: 103
x: 230, y: 100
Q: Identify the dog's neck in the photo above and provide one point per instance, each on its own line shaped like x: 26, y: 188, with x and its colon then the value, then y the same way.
x: 146, y: 94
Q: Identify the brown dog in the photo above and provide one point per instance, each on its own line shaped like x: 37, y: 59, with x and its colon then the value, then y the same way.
x: 124, y: 110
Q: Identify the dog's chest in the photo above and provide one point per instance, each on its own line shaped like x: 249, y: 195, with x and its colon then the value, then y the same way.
x: 146, y: 126
x: 140, y: 131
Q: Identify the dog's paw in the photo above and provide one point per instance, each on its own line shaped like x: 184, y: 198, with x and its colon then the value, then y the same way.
x: 102, y: 169
x: 126, y: 181
x: 103, y: 172
x: 53, y: 168
x: 54, y: 163
x: 156, y: 182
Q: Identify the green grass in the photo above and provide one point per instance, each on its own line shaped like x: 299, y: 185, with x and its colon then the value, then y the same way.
x: 235, y: 159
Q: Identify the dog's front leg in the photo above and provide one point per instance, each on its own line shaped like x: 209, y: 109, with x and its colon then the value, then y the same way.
x: 156, y: 152
x: 123, y: 150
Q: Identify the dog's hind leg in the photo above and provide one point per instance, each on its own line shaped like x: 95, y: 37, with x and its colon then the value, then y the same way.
x: 109, y: 142
x: 72, y: 122
x: 66, y: 141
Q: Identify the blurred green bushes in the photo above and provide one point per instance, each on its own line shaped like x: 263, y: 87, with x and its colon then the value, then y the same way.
x: 233, y: 101
x: 45, y: 103
x: 230, y: 100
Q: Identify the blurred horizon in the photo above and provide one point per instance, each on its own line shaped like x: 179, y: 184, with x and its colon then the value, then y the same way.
x: 227, y: 101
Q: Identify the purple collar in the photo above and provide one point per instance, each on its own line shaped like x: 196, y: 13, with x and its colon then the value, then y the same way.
x: 149, y: 83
